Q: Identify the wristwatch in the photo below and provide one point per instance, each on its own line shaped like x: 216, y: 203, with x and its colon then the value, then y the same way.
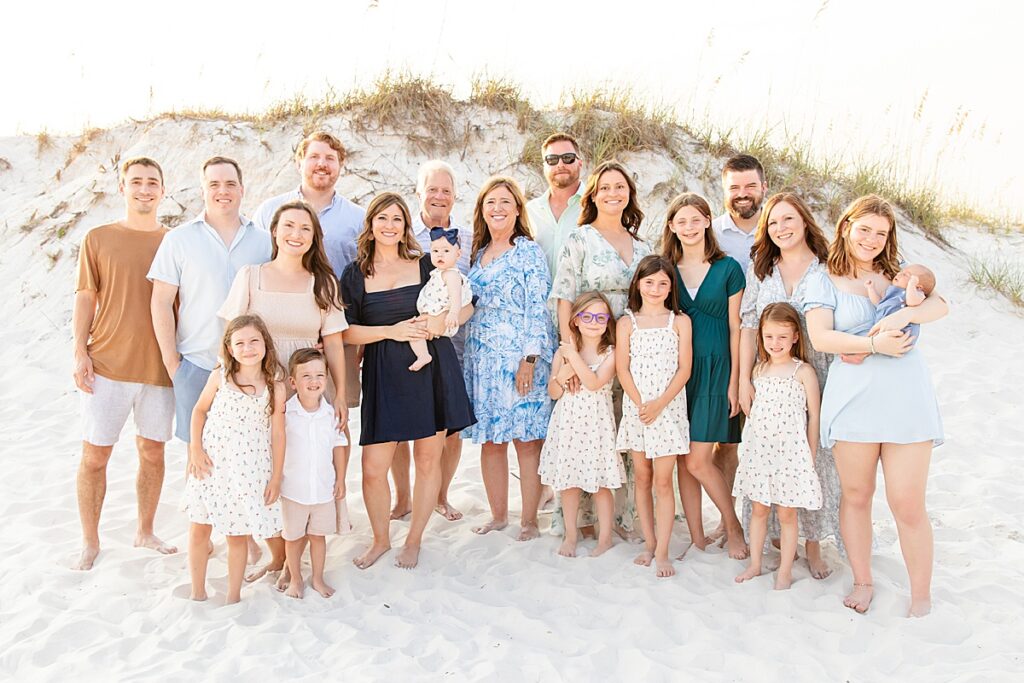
x: 531, y: 359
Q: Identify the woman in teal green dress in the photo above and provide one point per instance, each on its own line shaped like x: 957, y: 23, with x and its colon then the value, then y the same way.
x: 710, y: 290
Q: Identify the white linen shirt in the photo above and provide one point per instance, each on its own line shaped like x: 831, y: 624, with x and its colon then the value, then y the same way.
x: 194, y: 258
x: 310, y: 439
x: 550, y: 232
x: 341, y: 221
x: 733, y: 241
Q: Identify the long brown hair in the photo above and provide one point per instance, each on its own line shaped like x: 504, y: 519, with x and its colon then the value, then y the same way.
x: 269, y: 366
x: 765, y: 253
x: 325, y: 283
x: 783, y: 314
x: 632, y: 216
x: 649, y: 265
x: 888, y: 260
x: 582, y: 301
x: 408, y: 247
x: 671, y: 247
x: 481, y: 234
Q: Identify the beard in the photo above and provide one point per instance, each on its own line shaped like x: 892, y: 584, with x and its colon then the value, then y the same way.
x: 748, y: 211
x: 564, y: 180
x: 321, y: 182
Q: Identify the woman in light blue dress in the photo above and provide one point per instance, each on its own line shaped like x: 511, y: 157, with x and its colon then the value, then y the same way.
x: 510, y: 341
x: 878, y: 403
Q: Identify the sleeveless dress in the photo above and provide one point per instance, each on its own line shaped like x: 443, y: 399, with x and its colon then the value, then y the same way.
x: 653, y: 360
x: 399, y: 405
x: 237, y: 439
x: 775, y: 459
x: 579, y: 451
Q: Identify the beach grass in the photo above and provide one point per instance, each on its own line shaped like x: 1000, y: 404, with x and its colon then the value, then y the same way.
x: 999, y: 274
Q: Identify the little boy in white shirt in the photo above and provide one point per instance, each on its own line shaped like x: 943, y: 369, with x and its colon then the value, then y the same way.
x: 314, y: 471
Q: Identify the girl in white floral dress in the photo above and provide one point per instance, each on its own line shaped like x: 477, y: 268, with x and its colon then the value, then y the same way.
x: 236, y: 456
x: 780, y: 439
x: 579, y: 453
x: 654, y: 357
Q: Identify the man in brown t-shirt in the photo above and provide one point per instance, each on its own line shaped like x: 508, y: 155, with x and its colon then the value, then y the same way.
x: 118, y: 367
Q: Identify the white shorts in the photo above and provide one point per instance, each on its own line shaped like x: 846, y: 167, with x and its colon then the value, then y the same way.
x: 105, y: 411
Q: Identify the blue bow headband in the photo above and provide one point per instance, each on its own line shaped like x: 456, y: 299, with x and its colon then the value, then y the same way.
x: 451, y: 235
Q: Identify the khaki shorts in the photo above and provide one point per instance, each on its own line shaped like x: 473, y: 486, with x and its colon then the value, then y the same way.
x: 353, y: 385
x: 301, y: 520
x: 106, y: 409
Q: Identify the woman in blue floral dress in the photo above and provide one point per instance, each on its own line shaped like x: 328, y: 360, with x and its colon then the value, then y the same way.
x: 510, y: 341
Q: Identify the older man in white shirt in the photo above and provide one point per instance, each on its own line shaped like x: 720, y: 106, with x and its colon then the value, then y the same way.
x: 435, y: 188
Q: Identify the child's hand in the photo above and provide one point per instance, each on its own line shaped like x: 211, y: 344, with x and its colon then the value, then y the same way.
x: 650, y: 411
x: 853, y: 358
x: 569, y: 349
x: 747, y: 393
x: 339, y: 489
x: 199, y: 463
x: 565, y: 372
x: 451, y: 322
x: 734, y: 400
x: 272, y: 492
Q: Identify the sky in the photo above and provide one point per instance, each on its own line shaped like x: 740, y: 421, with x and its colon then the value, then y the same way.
x: 928, y: 87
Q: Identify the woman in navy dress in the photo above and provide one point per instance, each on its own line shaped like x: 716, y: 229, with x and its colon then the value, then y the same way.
x: 380, y: 289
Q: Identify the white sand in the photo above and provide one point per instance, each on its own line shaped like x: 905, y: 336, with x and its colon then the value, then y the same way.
x: 477, y: 607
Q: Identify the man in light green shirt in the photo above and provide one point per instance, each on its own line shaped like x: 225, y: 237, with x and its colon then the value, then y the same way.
x: 554, y: 214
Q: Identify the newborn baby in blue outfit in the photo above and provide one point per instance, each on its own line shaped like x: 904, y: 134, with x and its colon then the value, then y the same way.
x: 910, y: 287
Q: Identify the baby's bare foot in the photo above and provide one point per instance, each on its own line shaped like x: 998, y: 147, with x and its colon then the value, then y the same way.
x: 420, y: 362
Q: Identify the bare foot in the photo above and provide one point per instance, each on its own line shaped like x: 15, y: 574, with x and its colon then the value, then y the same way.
x: 408, y: 557
x: 718, y: 535
x: 493, y: 525
x: 644, y: 558
x: 153, y: 543
x: 568, y: 547
x: 254, y: 550
x: 420, y: 362
x: 198, y: 596
x: 859, y: 598
x: 752, y: 572
x: 233, y: 599
x: 547, y: 497
x: 602, y: 548
x: 447, y: 511
x: 665, y: 568
x: 528, y: 532
x: 268, y: 568
x: 322, y: 588
x: 819, y: 567
x: 87, y: 558
x: 371, y: 555
x: 402, y: 509
x: 737, y: 546
x: 680, y: 556
x: 782, y: 583
x: 920, y: 608
x: 281, y: 585
x: 295, y: 589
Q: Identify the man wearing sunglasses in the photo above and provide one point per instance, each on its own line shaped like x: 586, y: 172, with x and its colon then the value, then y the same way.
x: 555, y: 213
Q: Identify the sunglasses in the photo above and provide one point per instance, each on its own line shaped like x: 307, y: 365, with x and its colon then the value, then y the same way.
x: 587, y: 317
x: 567, y: 158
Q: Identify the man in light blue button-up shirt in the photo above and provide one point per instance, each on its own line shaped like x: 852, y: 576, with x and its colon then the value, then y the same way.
x: 196, y: 264
x: 744, y: 188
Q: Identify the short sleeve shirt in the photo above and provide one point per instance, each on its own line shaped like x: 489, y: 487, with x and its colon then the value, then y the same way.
x: 310, y: 439
x: 113, y: 261
x: 550, y: 232
x: 341, y: 221
x: 195, y: 259
x: 733, y: 241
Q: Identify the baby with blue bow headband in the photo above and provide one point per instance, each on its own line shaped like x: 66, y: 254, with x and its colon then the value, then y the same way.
x: 445, y: 286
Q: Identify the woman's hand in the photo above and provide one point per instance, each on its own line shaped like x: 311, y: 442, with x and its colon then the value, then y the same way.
x: 893, y: 321
x: 893, y: 343
x: 524, y: 377
x: 199, y: 463
x: 409, y: 330
x: 746, y: 397
x: 734, y: 400
x: 650, y: 411
x: 341, y: 409
x: 273, y: 491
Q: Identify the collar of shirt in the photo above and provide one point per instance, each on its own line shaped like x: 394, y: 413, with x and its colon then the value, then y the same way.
x: 336, y: 199
x: 296, y: 408
x: 578, y: 196
x: 728, y: 223
x: 244, y: 225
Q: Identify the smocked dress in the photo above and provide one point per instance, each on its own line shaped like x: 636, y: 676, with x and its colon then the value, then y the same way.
x: 579, y: 451
x: 237, y: 439
x: 294, y: 319
x: 815, y: 525
x: 509, y: 323
x: 883, y: 399
x: 707, y: 390
x: 653, y: 360
x: 775, y: 465
x: 399, y: 405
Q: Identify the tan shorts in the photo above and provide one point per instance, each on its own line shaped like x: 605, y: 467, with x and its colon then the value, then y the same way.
x: 353, y: 386
x: 316, y: 520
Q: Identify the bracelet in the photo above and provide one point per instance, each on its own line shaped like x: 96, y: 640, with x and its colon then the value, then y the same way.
x: 871, y: 340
